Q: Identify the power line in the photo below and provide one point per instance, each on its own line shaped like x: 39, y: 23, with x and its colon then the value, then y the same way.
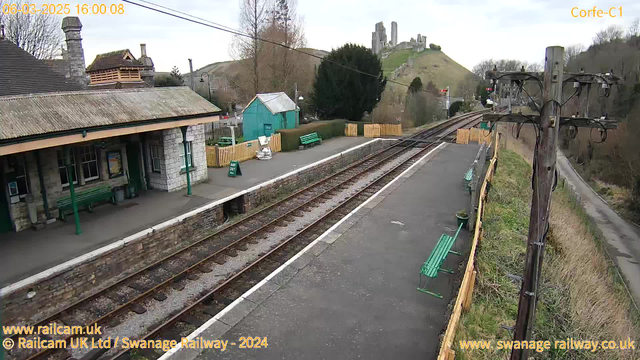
x: 213, y: 25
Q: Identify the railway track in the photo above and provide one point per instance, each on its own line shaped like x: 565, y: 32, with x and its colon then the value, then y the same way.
x: 107, y: 307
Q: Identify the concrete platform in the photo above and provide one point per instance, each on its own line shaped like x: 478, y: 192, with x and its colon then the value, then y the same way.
x: 352, y: 294
x: 29, y: 252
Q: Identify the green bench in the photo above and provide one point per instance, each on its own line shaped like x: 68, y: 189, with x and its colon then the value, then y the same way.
x: 310, y: 139
x: 224, y: 141
x: 85, y: 199
x: 468, y: 176
x: 433, y: 265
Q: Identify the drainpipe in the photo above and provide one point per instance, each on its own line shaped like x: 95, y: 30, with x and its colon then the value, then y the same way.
x: 43, y: 189
x: 186, y: 158
x: 74, y: 205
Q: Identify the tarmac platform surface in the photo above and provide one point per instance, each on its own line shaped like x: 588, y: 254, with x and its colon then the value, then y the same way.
x: 29, y: 252
x: 352, y: 294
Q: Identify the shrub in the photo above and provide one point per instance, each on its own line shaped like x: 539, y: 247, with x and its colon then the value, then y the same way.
x: 337, y: 127
x: 454, y: 108
x: 291, y: 137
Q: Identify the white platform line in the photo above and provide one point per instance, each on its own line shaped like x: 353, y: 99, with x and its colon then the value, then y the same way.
x: 275, y: 272
x: 9, y: 289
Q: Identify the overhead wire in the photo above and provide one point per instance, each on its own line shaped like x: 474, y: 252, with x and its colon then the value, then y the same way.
x: 204, y: 22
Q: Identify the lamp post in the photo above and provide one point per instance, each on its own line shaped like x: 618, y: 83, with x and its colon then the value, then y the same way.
x: 298, y: 98
x: 208, y: 83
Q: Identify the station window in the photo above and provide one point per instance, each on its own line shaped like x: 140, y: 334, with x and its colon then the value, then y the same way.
x: 156, y: 157
x: 189, y: 155
x: 64, y: 177
x: 19, y: 184
x: 89, y: 159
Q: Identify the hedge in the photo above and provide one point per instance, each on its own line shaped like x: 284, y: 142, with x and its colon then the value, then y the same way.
x: 326, y: 129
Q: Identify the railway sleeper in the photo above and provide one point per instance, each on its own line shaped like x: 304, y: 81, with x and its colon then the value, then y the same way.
x: 177, y: 286
x: 232, y: 252
x: 160, y: 296
x: 191, y: 320
x: 147, y: 353
x: 137, y: 308
x: 210, y: 310
x: 205, y: 269
x: 220, y: 259
x: 193, y: 276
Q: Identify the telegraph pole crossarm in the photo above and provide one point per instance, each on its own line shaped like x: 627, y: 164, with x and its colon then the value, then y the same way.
x: 520, y: 118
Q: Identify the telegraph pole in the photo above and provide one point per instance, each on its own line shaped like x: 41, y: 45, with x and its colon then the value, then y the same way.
x: 544, y: 168
x: 193, y: 85
x: 543, y: 182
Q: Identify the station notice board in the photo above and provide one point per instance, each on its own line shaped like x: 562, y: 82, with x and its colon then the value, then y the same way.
x: 234, y: 169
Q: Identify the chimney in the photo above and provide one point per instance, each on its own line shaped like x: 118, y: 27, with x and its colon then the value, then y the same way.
x: 148, y: 72
x: 72, y: 26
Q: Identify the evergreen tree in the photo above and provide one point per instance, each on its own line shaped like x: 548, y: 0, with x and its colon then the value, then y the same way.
x: 416, y: 85
x: 339, y: 92
x: 175, y: 73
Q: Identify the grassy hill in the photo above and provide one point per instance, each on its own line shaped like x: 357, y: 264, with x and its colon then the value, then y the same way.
x: 232, y: 67
x: 429, y: 65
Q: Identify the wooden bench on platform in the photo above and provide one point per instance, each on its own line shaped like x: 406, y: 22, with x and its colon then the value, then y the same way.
x: 468, y: 177
x: 310, y: 139
x: 433, y: 265
x: 85, y: 199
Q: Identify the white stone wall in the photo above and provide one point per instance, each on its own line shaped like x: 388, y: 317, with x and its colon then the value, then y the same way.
x: 176, y: 178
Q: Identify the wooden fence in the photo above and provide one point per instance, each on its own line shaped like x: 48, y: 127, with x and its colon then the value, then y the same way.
x: 351, y: 130
x: 222, y: 156
x: 372, y: 130
x: 377, y: 130
x: 463, y: 136
x: 465, y: 294
x: 391, y: 129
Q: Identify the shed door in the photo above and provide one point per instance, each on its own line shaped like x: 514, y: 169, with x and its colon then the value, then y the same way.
x: 268, y: 129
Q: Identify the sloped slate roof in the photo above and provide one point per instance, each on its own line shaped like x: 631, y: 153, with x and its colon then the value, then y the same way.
x: 276, y: 102
x: 112, y: 60
x: 37, y: 114
x: 21, y: 73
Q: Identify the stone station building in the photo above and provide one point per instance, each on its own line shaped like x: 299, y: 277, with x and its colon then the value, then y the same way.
x: 128, y: 140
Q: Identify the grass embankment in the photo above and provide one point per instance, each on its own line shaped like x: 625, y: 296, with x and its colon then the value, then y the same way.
x: 395, y: 60
x: 618, y: 197
x: 581, y: 296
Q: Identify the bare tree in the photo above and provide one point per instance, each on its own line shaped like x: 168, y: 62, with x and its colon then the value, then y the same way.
x: 534, y: 67
x: 287, y: 29
x: 482, y: 67
x: 246, y: 50
x: 467, y: 87
x: 571, y: 53
x: 38, y: 34
x: 634, y: 29
x: 610, y: 34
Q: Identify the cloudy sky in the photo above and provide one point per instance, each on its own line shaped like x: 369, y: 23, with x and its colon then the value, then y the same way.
x: 467, y: 30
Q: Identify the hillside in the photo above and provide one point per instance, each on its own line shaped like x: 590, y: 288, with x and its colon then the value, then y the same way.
x: 429, y: 65
x: 228, y: 69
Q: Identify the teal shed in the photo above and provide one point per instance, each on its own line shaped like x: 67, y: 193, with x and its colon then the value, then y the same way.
x: 267, y: 113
